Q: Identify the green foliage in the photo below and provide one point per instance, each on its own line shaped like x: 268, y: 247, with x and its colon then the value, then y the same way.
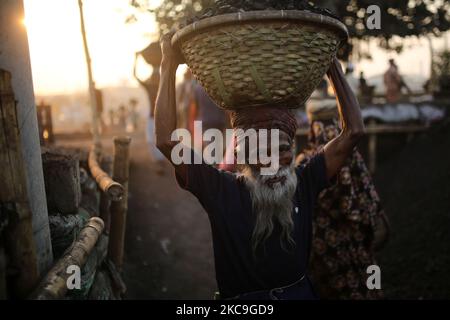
x: 172, y: 12
x: 441, y: 67
x: 398, y: 17
x: 401, y: 18
x: 442, y: 64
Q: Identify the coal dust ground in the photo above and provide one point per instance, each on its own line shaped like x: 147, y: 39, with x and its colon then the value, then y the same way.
x: 415, y: 190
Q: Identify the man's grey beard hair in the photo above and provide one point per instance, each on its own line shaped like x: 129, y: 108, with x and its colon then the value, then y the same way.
x: 271, y: 205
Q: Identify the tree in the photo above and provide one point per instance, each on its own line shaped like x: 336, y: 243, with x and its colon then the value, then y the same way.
x: 398, y: 17
x: 401, y: 18
x: 442, y: 72
x: 171, y: 13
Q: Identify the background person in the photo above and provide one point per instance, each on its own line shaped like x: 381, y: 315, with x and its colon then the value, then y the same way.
x: 349, y: 222
x: 394, y: 83
x: 151, y: 88
x: 207, y: 111
x: 185, y: 99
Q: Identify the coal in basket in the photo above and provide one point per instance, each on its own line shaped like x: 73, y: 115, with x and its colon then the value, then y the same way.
x: 260, y: 58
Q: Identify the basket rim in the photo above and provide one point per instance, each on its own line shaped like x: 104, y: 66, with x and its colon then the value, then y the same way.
x: 261, y: 15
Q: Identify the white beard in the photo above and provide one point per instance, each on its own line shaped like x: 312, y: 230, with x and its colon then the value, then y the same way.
x: 271, y: 204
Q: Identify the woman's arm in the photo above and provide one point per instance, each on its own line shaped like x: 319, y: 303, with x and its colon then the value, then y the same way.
x: 339, y: 149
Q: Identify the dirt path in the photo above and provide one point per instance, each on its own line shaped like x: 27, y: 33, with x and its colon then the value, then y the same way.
x: 168, y: 244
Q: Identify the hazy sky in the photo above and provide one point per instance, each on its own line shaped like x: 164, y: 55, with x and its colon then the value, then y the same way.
x: 56, y: 48
x: 57, y: 55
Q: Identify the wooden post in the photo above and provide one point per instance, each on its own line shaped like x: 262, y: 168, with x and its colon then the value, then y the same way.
x: 49, y: 124
x: 105, y: 199
x: 119, y: 208
x: 44, y: 114
x: 15, y: 58
x: 372, y: 148
x: 62, y: 181
x: 54, y: 285
x: 20, y: 245
x: 92, y: 91
x: 40, y: 118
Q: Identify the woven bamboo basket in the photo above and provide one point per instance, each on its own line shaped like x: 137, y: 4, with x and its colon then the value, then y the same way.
x: 260, y: 57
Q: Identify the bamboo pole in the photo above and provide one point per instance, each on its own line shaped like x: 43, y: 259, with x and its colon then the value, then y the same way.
x: 119, y: 208
x: 113, y: 189
x: 105, y: 199
x: 54, y: 285
x: 19, y: 241
x: 92, y: 92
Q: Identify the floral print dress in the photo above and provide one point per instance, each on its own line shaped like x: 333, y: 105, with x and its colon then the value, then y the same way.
x: 344, y: 225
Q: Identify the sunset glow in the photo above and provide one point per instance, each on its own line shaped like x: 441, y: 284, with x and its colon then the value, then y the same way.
x: 56, y: 46
x: 58, y: 61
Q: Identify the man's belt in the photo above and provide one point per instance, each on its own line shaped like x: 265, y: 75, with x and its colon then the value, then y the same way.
x: 269, y: 294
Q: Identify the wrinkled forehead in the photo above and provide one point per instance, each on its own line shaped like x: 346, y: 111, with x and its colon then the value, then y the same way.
x: 262, y: 135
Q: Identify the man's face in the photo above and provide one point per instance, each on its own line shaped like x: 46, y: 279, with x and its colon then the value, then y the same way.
x: 272, y: 195
x: 285, y: 160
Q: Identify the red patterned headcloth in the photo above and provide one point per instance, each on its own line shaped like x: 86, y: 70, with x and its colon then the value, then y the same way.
x: 265, y: 118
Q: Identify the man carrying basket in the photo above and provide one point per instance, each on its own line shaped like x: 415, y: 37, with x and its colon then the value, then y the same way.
x: 261, y: 224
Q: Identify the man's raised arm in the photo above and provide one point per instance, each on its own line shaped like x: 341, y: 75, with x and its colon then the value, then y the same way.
x: 339, y: 149
x: 165, y: 112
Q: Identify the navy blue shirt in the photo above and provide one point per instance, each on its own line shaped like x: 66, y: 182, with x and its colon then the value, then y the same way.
x: 227, y: 201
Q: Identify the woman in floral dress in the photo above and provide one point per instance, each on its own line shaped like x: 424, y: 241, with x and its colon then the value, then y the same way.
x: 347, y: 219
